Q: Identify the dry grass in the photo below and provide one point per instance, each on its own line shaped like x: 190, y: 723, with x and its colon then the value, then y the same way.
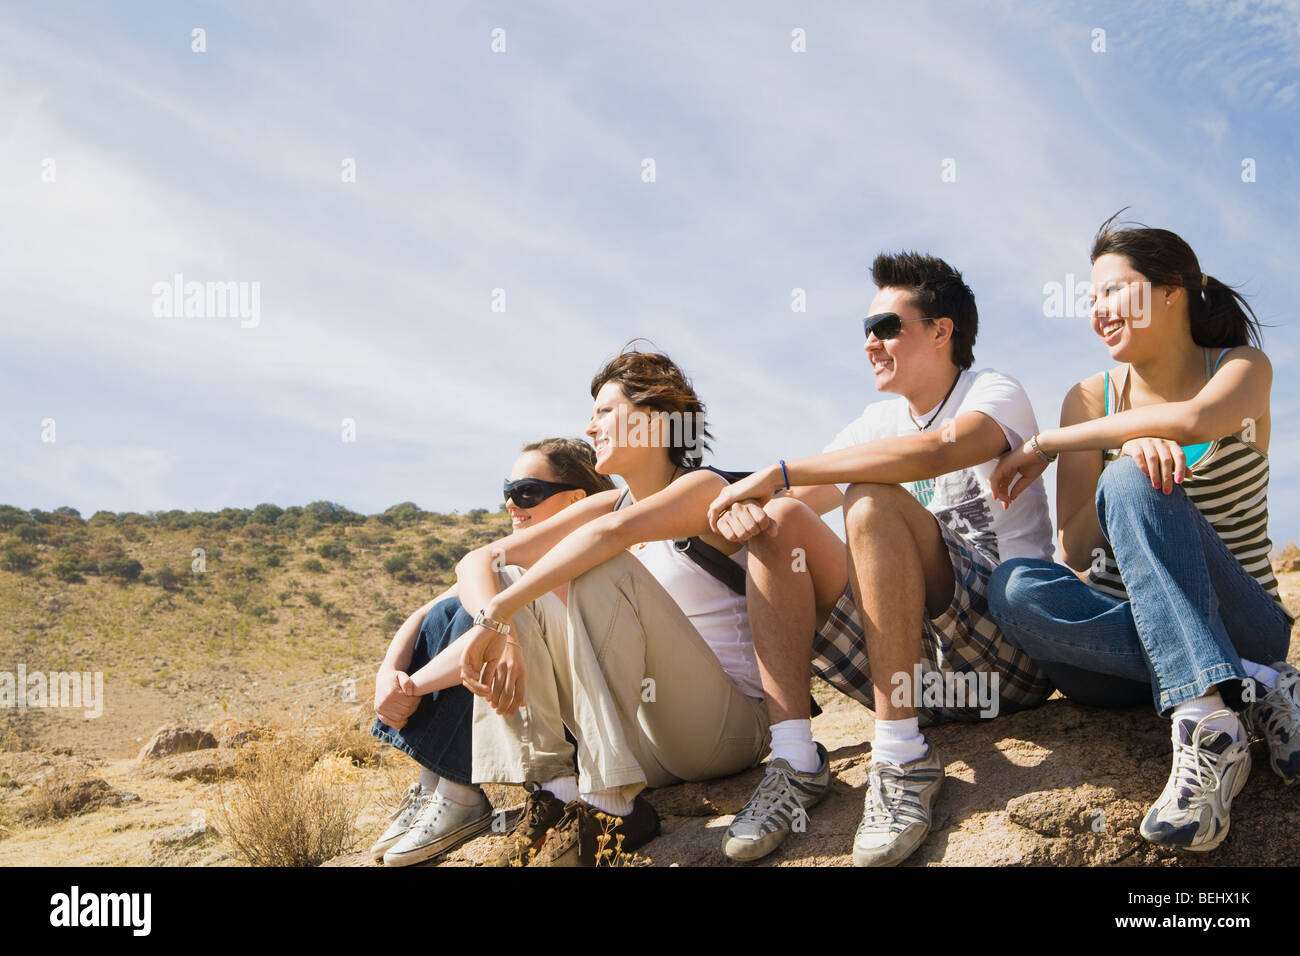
x: 290, y: 807
x: 609, y: 845
x: 350, y: 738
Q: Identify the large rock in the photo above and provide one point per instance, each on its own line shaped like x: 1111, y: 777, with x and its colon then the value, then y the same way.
x: 1060, y: 785
x: 205, y: 766
x: 176, y: 739
x: 232, y: 733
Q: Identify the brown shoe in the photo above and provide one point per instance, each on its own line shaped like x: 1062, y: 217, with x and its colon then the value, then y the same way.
x: 587, y: 836
x: 542, y: 811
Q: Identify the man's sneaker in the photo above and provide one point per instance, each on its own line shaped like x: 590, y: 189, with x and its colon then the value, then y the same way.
x: 413, y: 802
x: 1210, y: 768
x: 441, y: 826
x: 783, y: 796
x: 587, y: 836
x: 896, y: 815
x: 1276, y: 718
x: 542, y: 811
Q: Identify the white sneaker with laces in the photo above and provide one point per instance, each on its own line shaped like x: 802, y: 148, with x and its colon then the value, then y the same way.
x: 1210, y: 768
x: 1276, y: 718
x: 896, y: 815
x: 412, y: 803
x: 441, y: 826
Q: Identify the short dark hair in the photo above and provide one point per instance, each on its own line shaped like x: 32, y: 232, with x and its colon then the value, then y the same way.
x: 937, y: 289
x: 1219, y: 315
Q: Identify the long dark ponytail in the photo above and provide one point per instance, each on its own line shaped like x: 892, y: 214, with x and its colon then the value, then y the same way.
x: 1219, y: 314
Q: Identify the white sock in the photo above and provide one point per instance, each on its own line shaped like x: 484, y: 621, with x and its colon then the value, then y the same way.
x: 611, y: 801
x: 564, y: 789
x: 1200, y: 708
x: 898, y: 741
x: 467, y: 795
x: 1258, y: 672
x: 429, y: 779
x: 792, y: 741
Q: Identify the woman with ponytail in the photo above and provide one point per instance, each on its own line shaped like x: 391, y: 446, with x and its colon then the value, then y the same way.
x: 1162, y: 507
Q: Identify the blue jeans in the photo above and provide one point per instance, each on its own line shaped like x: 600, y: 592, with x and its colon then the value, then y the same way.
x: 1193, y: 612
x: 437, y: 735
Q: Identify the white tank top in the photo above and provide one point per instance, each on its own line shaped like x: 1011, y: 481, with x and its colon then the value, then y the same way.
x: 719, y: 614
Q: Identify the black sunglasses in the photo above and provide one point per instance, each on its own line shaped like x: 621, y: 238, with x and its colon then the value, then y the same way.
x: 887, y: 325
x: 531, y: 492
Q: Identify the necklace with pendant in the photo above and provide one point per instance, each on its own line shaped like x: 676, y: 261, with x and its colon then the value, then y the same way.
x: 919, y: 426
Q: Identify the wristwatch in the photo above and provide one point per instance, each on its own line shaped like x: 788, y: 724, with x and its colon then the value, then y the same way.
x: 482, y: 620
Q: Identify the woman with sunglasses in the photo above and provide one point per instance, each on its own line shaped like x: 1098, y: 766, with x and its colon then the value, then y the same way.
x: 1162, y: 503
x: 421, y: 707
x: 651, y: 664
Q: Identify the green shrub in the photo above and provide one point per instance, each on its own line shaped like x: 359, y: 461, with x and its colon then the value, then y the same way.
x: 398, y: 563
x: 266, y: 514
x: 312, y: 565
x: 11, y: 517
x: 393, y: 620
x: 436, y: 559
x: 167, y: 577
x: 29, y: 533
x: 313, y: 598
x: 124, y: 569
x: 67, y: 567
x: 17, y: 557
x: 335, y: 550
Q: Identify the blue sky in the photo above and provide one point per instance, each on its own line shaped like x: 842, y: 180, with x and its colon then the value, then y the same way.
x: 522, y: 170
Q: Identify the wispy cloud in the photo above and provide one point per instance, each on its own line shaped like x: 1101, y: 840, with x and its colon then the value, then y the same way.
x: 522, y: 171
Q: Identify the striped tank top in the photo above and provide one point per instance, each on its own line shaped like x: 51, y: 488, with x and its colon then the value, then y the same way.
x: 1229, y: 486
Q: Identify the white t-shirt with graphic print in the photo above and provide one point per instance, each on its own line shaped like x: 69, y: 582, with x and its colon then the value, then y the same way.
x: 963, y: 499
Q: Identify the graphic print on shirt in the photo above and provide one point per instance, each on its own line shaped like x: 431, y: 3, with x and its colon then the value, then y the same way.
x: 923, y: 491
x: 960, y: 503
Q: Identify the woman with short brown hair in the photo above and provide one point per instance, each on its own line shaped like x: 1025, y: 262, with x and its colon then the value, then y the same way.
x: 651, y: 665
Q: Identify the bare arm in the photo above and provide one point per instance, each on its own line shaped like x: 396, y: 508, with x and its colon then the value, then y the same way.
x: 820, y: 498
x: 969, y: 439
x: 1236, y: 395
x: 476, y: 573
x: 491, y: 664
x: 1078, y: 530
x: 677, y: 511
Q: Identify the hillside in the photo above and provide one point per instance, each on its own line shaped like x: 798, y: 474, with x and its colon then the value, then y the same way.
x: 191, y: 615
x: 250, y: 651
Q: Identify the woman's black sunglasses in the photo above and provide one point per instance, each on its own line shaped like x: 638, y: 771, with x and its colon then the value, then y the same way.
x: 531, y: 492
x: 887, y: 325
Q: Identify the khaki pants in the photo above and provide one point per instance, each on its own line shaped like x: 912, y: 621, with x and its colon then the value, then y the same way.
x: 629, y: 675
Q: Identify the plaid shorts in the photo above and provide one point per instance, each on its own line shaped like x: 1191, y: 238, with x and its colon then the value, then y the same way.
x: 964, y: 639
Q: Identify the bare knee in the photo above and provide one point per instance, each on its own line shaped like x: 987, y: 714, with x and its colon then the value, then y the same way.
x: 791, y: 521
x: 868, y: 506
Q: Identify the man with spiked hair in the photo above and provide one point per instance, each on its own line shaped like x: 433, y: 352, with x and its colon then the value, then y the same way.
x: 897, y: 618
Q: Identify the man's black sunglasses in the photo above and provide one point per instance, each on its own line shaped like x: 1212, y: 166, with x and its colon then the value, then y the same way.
x: 887, y: 325
x: 531, y: 492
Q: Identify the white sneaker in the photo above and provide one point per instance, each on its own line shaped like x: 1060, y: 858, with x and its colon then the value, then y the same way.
x: 441, y: 826
x: 896, y: 815
x: 412, y: 803
x: 1210, y: 768
x: 1276, y: 718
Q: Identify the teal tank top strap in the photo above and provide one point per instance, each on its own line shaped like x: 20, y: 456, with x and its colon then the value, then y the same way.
x: 1107, y: 391
x: 1194, y: 453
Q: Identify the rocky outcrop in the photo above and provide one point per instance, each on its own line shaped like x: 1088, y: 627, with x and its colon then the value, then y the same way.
x: 1060, y: 785
x: 176, y: 739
